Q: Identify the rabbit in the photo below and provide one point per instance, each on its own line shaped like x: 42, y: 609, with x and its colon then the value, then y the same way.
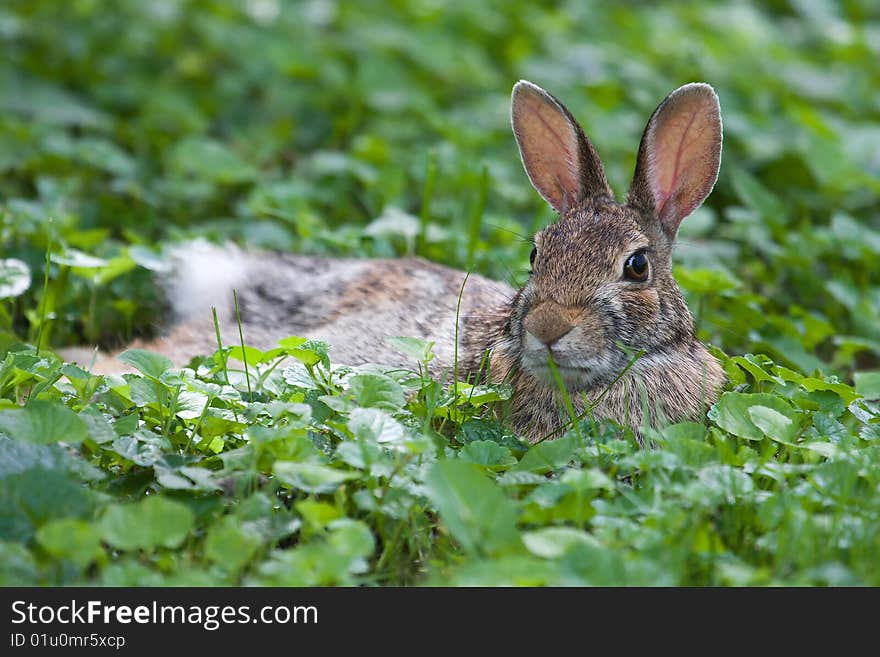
x: 600, y: 291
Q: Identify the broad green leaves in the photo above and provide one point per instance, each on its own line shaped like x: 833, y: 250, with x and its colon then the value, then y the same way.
x: 78, y: 541
x: 310, y: 477
x: 476, y: 512
x: 43, y: 422
x: 148, y: 524
x: 34, y: 496
x: 554, y: 542
x: 752, y: 416
x: 377, y: 391
x: 210, y: 160
x: 230, y: 545
x: 375, y: 425
x: 488, y: 454
x: 421, y: 351
x: 148, y: 363
x: 773, y: 424
x: 548, y: 455
x: 363, y: 466
x: 868, y: 385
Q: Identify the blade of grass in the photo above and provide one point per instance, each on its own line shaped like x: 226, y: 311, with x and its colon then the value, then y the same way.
x: 589, y: 409
x: 569, y: 407
x: 247, y: 376
x: 476, y: 218
x: 45, y: 294
x: 455, y: 347
x: 223, y: 356
x: 427, y: 195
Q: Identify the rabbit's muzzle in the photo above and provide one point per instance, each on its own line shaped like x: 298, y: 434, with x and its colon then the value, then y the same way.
x: 572, y: 336
x: 550, y: 321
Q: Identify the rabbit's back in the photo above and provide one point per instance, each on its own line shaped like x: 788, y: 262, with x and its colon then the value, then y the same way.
x: 352, y: 304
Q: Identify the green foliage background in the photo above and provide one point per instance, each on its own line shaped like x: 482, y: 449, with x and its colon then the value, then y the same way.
x: 381, y: 128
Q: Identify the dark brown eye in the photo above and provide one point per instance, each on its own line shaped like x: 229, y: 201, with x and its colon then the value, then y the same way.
x: 533, y: 255
x: 636, y: 267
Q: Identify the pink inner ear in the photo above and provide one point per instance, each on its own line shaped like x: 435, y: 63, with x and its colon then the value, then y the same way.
x: 566, y: 145
x: 549, y: 148
x: 684, y: 150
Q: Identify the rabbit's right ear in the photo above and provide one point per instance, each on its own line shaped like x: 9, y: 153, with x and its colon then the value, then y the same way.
x: 558, y: 158
x: 679, y: 156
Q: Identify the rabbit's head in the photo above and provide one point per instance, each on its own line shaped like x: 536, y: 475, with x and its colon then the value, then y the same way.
x: 601, y: 286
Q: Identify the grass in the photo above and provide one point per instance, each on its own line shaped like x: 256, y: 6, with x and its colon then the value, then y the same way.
x: 336, y: 130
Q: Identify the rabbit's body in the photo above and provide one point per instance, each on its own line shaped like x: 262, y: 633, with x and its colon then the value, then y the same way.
x: 600, y: 303
x: 352, y: 304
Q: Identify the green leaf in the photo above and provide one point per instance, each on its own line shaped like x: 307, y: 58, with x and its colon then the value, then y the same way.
x: 230, y: 545
x: 147, y: 259
x: 705, y: 281
x: 731, y: 413
x: 587, y: 480
x: 252, y: 354
x: 685, y: 431
x: 78, y: 259
x: 146, y: 362
x: 311, y: 477
x: 474, y: 509
x: 317, y: 514
x: 868, y: 384
x: 71, y: 539
x: 375, y: 425
x: 549, y: 455
x: 377, y: 391
x: 143, y: 448
x: 477, y: 429
x: 18, y: 456
x: 17, y: 565
x: 845, y: 392
x: 43, y: 422
x: 15, y: 278
x: 190, y: 404
x: 773, y: 424
x: 308, y: 352
x: 828, y: 450
x: 173, y: 476
x: 153, y: 522
x: 351, y: 538
x: 481, y: 394
x: 145, y: 391
x: 488, y: 454
x: 29, y: 498
x: 365, y: 455
x: 420, y: 350
x: 757, y: 196
x: 210, y: 160
x: 297, y: 375
x: 99, y: 428
x: 292, y: 342
x: 553, y: 542
x: 830, y: 428
x: 754, y: 365
x: 394, y: 222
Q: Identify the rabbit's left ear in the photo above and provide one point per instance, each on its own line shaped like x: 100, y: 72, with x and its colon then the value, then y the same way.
x: 679, y: 156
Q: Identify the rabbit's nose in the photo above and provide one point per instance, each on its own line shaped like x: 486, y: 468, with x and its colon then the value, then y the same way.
x: 549, y: 321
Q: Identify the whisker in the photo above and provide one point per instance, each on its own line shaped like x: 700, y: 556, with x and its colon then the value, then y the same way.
x: 525, y: 238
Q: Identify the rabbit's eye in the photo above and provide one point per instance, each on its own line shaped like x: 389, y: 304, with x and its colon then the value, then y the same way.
x: 636, y: 267
x: 533, y: 255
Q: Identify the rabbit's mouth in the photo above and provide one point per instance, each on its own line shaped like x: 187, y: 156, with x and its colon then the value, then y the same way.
x: 576, y: 374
